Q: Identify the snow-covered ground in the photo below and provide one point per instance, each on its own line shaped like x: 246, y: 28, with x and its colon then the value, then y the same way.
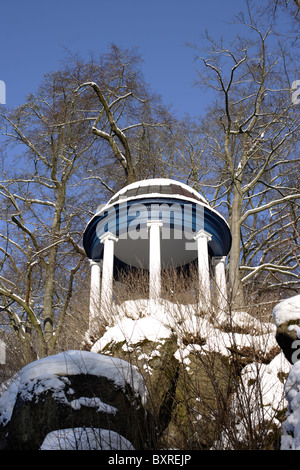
x: 165, y: 319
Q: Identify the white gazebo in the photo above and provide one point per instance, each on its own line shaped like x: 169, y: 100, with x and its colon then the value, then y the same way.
x: 153, y: 224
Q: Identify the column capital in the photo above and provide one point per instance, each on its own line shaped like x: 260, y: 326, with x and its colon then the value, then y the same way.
x: 94, y: 262
x: 218, y: 259
x: 203, y: 234
x: 156, y: 223
x: 108, y: 236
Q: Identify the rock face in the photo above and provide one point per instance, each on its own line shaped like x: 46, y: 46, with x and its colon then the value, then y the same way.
x: 76, y: 390
x: 191, y: 364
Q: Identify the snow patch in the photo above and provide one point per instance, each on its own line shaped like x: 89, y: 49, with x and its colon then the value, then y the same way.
x: 271, y: 390
x: 94, y: 402
x: 7, y: 400
x: 85, y: 439
x: 76, y: 362
x: 133, y: 332
x: 166, y: 319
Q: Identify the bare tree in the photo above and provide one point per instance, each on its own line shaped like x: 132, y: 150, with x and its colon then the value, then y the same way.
x: 251, y: 151
x: 39, y: 261
x: 60, y: 173
x: 291, y: 7
x: 127, y: 114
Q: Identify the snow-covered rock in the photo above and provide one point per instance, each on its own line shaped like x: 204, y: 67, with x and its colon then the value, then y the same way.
x: 285, y: 314
x: 290, y: 439
x: 287, y: 310
x: 144, y: 331
x: 287, y: 319
x: 74, y: 389
x: 85, y: 362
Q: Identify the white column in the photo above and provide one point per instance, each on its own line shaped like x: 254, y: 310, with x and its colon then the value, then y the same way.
x: 107, y: 273
x: 219, y: 263
x: 2, y: 352
x: 94, y: 293
x: 154, y: 259
x: 202, y: 239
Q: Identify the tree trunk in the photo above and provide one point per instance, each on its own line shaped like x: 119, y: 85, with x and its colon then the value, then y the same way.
x: 51, y: 268
x: 234, y: 260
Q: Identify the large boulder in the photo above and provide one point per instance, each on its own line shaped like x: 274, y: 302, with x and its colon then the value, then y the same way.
x: 76, y: 390
x: 287, y: 319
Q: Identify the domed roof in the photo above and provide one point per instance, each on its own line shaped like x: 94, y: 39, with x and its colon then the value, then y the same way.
x: 183, y: 212
x: 161, y: 186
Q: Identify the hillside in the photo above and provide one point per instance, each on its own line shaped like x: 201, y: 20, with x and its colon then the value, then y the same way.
x: 206, y: 379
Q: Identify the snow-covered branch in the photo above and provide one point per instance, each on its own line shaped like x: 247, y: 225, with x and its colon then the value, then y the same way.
x: 268, y: 205
x: 268, y: 267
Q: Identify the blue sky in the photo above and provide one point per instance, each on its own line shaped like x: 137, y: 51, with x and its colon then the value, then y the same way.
x: 35, y: 33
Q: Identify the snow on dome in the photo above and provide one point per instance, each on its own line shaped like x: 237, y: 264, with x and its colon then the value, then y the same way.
x: 161, y: 186
x: 286, y: 310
